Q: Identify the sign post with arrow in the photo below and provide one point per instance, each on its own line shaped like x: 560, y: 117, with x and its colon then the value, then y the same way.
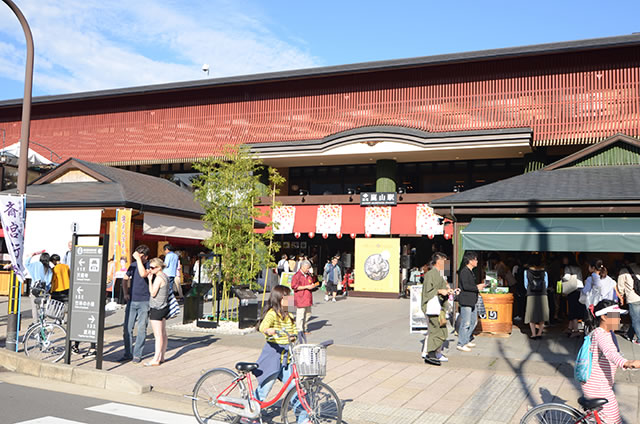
x: 87, y: 295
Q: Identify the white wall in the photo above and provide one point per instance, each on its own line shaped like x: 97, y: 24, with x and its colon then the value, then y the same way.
x: 51, y: 230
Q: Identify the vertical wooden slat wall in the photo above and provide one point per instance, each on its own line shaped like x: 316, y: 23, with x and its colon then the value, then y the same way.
x: 568, y: 105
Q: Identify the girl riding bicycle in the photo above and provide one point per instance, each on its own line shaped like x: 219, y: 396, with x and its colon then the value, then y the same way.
x: 274, y: 362
x: 606, y: 359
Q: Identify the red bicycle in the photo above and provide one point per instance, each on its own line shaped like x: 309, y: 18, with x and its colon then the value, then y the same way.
x: 559, y: 413
x: 223, y: 395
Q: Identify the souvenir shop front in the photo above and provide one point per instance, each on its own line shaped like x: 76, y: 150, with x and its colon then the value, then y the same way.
x: 582, y: 206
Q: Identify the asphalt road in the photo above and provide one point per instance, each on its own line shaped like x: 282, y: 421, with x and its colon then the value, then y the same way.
x: 26, y: 405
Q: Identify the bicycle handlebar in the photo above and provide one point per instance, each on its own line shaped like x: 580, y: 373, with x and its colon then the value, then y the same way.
x: 325, y: 343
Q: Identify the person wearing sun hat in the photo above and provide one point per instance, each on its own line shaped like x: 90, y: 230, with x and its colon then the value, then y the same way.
x: 606, y: 359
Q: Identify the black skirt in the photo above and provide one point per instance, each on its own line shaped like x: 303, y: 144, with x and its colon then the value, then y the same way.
x: 159, y: 314
x: 576, y: 309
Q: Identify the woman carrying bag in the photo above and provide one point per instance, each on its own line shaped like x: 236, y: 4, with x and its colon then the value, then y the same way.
x: 435, y: 293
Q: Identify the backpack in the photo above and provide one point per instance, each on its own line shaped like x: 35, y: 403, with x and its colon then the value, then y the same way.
x: 535, y: 281
x: 582, y: 370
x: 636, y: 280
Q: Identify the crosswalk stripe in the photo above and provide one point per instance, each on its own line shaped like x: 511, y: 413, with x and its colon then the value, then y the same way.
x: 143, y: 414
x: 49, y: 420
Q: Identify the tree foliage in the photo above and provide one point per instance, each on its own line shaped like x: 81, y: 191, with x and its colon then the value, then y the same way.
x: 228, y: 190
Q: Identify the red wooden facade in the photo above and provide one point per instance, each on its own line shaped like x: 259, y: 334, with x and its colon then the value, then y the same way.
x: 566, y: 99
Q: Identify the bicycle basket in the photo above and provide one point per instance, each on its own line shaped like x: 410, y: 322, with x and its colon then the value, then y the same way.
x: 54, y: 309
x: 311, y: 359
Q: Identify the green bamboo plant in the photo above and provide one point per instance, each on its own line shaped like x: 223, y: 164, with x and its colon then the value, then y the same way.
x: 228, y: 190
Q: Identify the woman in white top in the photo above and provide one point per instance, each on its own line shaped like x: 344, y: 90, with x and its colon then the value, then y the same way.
x: 598, y: 285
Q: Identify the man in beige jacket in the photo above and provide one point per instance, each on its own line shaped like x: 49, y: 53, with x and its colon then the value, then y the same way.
x: 629, y: 296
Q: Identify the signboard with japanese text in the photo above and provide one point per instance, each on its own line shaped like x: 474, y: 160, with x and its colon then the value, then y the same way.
x: 87, y: 286
x: 12, y: 215
x: 122, y: 242
x: 378, y: 199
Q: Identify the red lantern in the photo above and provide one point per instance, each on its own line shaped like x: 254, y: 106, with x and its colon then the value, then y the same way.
x: 325, y: 235
x: 339, y: 235
x: 430, y: 236
x: 312, y: 234
x: 367, y: 235
x: 353, y: 235
x: 297, y: 235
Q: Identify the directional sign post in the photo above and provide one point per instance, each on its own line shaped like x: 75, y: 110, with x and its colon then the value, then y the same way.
x: 87, y: 295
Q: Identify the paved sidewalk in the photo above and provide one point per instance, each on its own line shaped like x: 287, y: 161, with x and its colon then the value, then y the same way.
x: 376, y: 370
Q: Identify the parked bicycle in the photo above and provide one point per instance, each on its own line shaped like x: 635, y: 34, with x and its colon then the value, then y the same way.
x: 46, y: 339
x: 559, y: 413
x: 222, y: 395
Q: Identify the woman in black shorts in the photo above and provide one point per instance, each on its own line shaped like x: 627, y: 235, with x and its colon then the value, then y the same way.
x: 158, y: 309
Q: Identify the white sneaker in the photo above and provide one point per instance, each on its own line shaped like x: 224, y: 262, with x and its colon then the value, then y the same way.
x: 333, y: 300
x: 463, y: 348
x: 441, y: 357
x: 326, y: 298
x: 470, y: 344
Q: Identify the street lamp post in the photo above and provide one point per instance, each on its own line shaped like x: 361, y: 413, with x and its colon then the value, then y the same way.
x: 12, y: 319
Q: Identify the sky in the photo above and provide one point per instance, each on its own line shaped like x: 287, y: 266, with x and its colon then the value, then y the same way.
x: 88, y: 45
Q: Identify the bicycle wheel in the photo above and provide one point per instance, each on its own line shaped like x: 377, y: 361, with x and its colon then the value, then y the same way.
x: 324, y: 403
x: 46, y: 342
x: 552, y: 413
x: 208, y: 387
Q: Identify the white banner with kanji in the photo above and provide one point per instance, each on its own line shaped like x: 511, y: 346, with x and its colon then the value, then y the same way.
x: 427, y: 222
x: 12, y: 216
x: 283, y: 218
x: 378, y: 220
x: 329, y: 219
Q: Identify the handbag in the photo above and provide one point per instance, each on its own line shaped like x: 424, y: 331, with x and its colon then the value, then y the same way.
x: 174, y: 307
x: 433, y: 306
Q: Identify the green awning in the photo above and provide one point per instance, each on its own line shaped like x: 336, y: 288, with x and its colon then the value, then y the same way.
x: 553, y: 234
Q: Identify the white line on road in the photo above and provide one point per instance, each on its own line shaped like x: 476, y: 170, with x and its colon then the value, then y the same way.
x: 142, y: 414
x: 49, y: 420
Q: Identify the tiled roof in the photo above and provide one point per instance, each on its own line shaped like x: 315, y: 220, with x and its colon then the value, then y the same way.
x: 122, y: 189
x: 565, y: 186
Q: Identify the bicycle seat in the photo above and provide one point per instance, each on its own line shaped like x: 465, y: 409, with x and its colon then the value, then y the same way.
x: 246, y: 366
x: 591, y: 403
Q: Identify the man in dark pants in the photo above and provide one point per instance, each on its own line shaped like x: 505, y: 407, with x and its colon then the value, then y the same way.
x: 136, y: 289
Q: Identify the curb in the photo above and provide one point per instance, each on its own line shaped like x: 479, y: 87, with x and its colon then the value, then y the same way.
x: 100, y: 379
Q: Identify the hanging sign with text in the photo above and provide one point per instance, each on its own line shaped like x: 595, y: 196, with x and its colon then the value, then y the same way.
x: 378, y: 199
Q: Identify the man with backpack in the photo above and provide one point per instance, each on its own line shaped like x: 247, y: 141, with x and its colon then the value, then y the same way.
x: 629, y: 289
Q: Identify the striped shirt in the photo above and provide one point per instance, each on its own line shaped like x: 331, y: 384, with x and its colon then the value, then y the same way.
x: 273, y: 320
x: 606, y: 360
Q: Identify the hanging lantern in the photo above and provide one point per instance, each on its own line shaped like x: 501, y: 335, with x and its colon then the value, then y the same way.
x: 339, y: 235
x: 430, y: 236
x: 353, y: 235
x: 297, y: 235
x: 367, y: 235
x: 325, y: 235
x: 312, y: 234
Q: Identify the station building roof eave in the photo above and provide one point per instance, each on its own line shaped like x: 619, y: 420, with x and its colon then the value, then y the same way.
x: 364, y: 144
x: 383, y: 65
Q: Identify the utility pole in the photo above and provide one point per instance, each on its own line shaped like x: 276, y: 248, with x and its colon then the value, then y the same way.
x: 12, y: 319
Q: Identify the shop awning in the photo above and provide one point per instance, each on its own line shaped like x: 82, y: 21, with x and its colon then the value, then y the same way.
x: 553, y: 234
x: 173, y: 226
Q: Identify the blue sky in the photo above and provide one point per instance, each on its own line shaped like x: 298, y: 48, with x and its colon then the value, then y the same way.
x: 84, y: 45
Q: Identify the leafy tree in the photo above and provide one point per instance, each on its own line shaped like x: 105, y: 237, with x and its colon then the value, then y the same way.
x: 228, y: 190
